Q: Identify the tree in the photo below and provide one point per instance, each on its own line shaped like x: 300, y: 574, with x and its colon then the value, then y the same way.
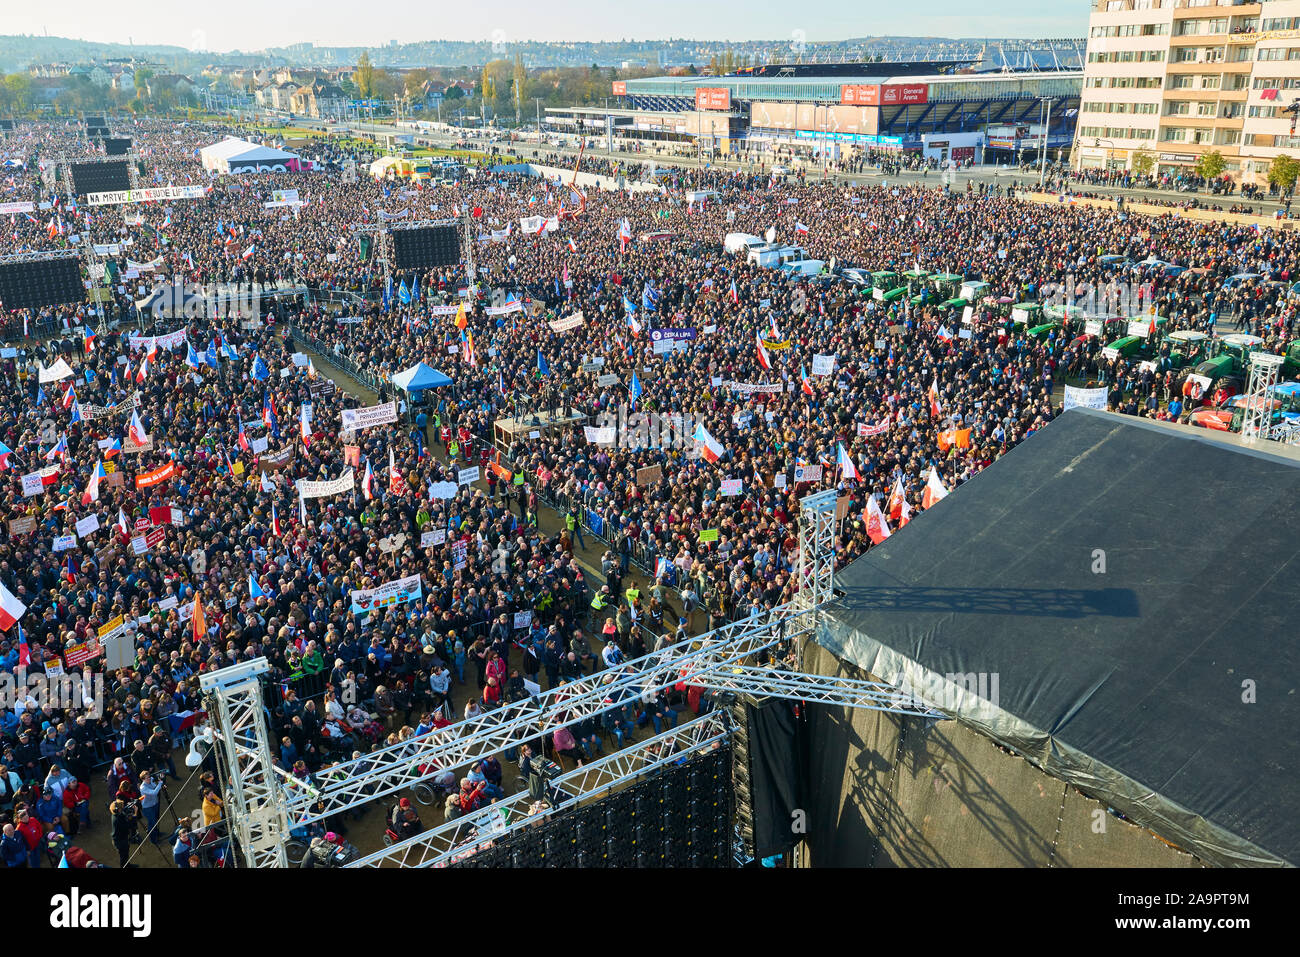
x: 414, y: 82
x: 453, y: 92
x: 1143, y: 162
x: 1211, y: 165
x: 141, y: 81
x: 17, y: 92
x: 1282, y: 173
x: 365, y: 75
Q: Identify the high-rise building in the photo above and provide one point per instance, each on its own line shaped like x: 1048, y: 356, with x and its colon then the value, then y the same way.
x: 1180, y: 78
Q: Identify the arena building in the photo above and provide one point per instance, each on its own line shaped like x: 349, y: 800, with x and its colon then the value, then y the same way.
x: 946, y: 111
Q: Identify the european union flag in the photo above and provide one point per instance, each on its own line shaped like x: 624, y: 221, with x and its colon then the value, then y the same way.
x: 542, y: 367
x: 404, y: 294
x: 635, y: 390
x: 260, y: 371
x: 211, y: 354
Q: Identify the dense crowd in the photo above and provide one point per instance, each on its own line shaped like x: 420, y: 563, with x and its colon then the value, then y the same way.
x: 237, y: 566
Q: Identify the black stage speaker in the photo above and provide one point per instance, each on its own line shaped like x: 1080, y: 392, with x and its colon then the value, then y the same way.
x: 117, y: 145
x: 427, y: 247
x: 100, y: 177
x: 45, y: 282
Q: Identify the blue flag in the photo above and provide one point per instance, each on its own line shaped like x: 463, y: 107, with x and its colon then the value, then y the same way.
x: 404, y: 294
x: 211, y: 354
x: 635, y: 390
x: 192, y: 358
x: 254, y: 590
x: 542, y: 367
x: 260, y: 371
x: 388, y: 293
x: 415, y: 288
x: 40, y: 394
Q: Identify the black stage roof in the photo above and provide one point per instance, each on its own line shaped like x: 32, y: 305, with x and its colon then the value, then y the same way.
x: 1165, y: 684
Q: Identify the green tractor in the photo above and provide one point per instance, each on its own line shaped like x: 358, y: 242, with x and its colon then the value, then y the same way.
x: 946, y: 284
x: 883, y: 282
x: 1222, y: 370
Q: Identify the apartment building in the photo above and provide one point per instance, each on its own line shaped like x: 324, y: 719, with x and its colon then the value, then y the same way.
x: 1179, y: 78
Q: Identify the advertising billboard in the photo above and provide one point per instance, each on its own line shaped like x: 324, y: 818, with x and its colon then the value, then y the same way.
x: 712, y: 98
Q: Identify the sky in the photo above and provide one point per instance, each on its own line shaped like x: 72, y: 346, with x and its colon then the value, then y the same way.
x: 256, y: 24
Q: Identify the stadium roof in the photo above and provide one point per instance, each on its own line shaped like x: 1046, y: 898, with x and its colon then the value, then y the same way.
x: 1162, y: 682
x: 943, y: 87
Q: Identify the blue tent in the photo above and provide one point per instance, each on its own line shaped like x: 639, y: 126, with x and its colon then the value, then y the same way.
x: 418, y: 378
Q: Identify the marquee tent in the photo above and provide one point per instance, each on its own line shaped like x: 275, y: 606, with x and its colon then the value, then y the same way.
x: 233, y: 155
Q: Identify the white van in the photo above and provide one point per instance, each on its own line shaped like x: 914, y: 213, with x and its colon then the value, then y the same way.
x: 738, y: 242
x: 776, y: 255
x: 803, y: 267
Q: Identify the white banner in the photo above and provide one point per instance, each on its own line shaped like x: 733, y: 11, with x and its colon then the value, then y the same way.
x: 442, y: 490
x: 170, y: 341
x: 64, y: 542
x: 466, y: 476
x: 12, y: 208
x: 1084, y: 398
x: 114, y: 197
x: 601, y: 436
x: 571, y: 322
x: 807, y: 473
x: 389, y: 593
x: 87, y: 525
x: 531, y: 225
x: 435, y: 537
x: 732, y: 487
x: 749, y: 388
x: 823, y: 365
x: 60, y: 370
x: 32, y: 484
x: 367, y: 417
x: 344, y: 483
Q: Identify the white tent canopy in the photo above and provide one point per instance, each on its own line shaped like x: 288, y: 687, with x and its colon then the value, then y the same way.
x: 233, y: 153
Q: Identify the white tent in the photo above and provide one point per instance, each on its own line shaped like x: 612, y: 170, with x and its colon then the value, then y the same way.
x: 241, y: 156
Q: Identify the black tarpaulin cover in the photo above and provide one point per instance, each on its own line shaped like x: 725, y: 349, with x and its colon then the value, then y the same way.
x: 1128, y: 588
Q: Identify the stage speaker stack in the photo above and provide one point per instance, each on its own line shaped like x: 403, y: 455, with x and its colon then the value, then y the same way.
x: 41, y: 282
x: 426, y: 247
x: 100, y: 177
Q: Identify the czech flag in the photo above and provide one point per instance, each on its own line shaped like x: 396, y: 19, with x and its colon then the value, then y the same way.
x: 710, y: 448
x: 935, y: 411
x: 11, y: 609
x: 113, y: 448
x: 847, y: 469
x: 91, y: 494
x: 5, y: 452
x: 764, y: 359
x: 367, y: 483
x: 275, y: 522
x: 805, y: 384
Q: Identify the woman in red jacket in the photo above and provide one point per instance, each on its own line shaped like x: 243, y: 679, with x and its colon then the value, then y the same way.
x: 76, y: 806
x: 30, y: 830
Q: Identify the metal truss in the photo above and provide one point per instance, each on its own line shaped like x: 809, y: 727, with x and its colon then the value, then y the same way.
x: 421, y: 224
x: 399, y: 766
x: 816, y: 549
x: 41, y: 256
x: 464, y: 836
x: 1265, y: 369
x: 823, y: 689
x: 256, y: 809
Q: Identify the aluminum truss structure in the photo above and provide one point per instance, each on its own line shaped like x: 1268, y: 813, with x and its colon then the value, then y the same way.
x: 739, y: 657
x: 460, y: 838
x: 1265, y: 370
x: 821, y: 689
x: 256, y: 811
x: 39, y: 256
x: 394, y: 768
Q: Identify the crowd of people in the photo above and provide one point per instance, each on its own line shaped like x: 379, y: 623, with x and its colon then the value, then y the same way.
x: 188, y: 449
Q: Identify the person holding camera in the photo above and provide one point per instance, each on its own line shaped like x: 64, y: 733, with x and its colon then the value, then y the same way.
x: 125, y: 815
x: 150, y: 805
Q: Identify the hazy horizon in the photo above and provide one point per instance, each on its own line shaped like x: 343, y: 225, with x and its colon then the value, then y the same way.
x: 248, y: 27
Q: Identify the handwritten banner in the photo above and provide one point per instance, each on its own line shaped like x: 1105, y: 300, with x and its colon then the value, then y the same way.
x: 373, y: 415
